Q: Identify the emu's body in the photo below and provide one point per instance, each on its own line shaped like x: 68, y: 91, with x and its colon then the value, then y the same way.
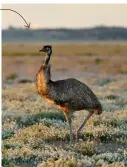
x: 69, y: 95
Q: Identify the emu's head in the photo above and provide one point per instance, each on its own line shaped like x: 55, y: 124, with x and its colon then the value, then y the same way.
x: 47, y: 49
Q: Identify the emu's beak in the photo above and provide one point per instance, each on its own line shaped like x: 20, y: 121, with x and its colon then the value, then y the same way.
x: 42, y: 50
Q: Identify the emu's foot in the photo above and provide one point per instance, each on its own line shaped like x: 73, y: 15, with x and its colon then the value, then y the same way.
x: 78, y: 137
x: 71, y: 142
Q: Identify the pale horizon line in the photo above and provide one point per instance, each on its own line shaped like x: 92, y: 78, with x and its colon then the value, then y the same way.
x: 61, y: 27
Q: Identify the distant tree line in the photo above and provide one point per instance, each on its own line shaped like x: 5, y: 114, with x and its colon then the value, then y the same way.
x: 102, y: 33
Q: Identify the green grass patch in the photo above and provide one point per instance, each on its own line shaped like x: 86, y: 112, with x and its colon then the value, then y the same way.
x: 32, y: 119
x: 112, y: 97
x: 24, y: 81
x: 98, y: 61
x: 104, y: 81
x: 122, y: 70
x: 7, y: 134
x: 11, y: 76
x: 23, y: 54
x: 87, y: 53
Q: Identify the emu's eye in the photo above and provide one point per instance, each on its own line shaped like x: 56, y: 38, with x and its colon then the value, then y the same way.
x: 48, y: 49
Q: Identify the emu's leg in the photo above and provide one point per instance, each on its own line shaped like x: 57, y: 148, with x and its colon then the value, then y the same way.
x: 68, y: 118
x: 83, y: 124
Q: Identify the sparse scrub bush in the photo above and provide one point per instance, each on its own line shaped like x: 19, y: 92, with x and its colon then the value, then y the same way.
x: 24, y: 81
x: 11, y: 76
x: 112, y: 97
x: 85, y: 148
x: 60, y: 162
x: 122, y: 70
x: 7, y: 133
x: 36, y: 118
x: 98, y: 61
x: 86, y: 53
x: 90, y: 54
x: 105, y: 81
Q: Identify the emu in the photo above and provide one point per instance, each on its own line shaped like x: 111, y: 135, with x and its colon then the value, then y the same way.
x: 68, y: 95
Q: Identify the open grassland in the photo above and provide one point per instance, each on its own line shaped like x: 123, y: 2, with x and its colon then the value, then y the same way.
x: 84, y: 49
x: 35, y: 133
x: 97, y: 57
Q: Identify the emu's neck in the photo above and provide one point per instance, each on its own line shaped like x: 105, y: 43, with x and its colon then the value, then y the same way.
x: 43, y: 77
x: 46, y: 67
x: 47, y: 58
